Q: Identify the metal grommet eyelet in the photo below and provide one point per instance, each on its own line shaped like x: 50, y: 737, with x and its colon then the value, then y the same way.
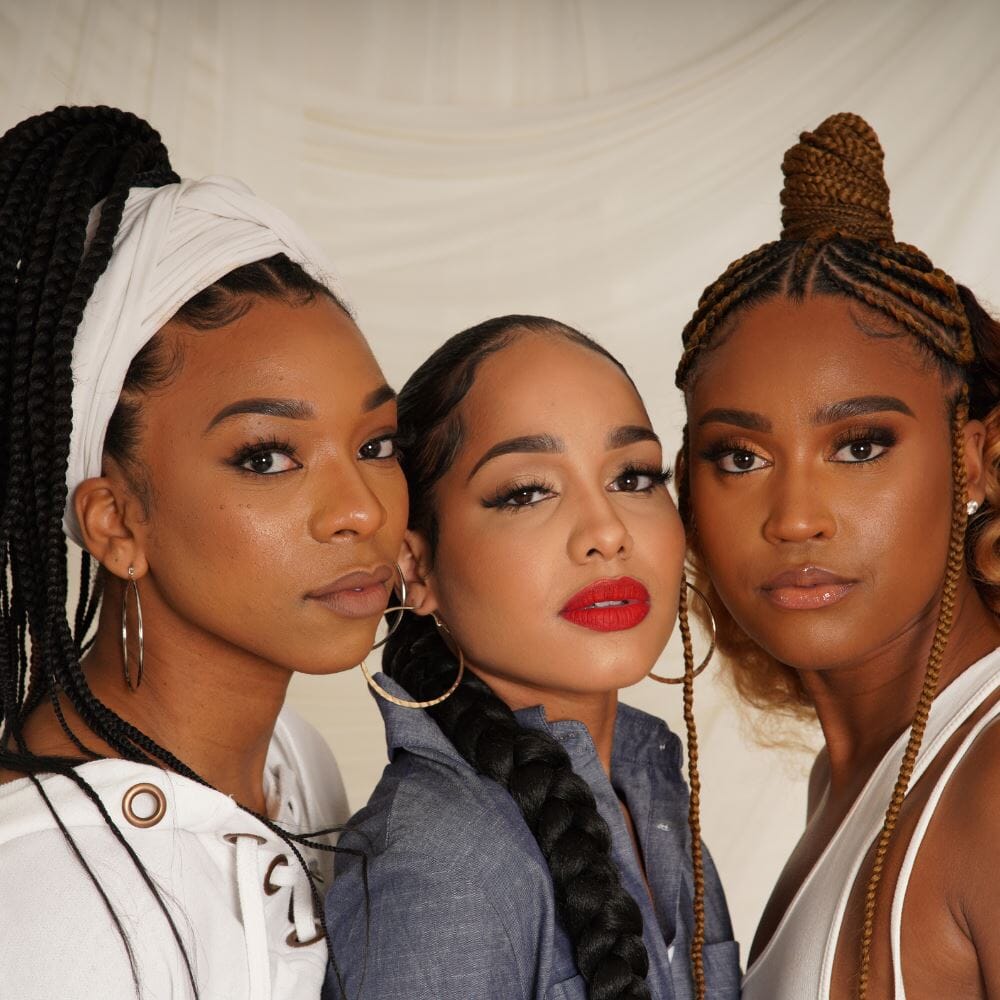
x: 128, y: 805
x: 269, y: 887
x: 232, y: 838
x: 293, y: 939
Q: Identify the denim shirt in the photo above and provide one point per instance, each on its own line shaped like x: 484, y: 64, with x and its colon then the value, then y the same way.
x: 460, y: 902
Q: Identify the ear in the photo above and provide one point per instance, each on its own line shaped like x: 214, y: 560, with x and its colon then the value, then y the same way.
x: 415, y: 563
x: 105, y: 510
x: 975, y: 465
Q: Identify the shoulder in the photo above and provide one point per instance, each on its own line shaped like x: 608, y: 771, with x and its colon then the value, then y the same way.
x: 427, y: 809
x: 441, y: 866
x: 69, y: 921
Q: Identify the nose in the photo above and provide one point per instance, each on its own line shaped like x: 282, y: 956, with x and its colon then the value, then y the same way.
x: 599, y: 532
x: 344, y: 505
x: 799, y: 509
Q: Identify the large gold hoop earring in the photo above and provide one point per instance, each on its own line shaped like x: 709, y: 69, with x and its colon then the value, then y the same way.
x: 130, y: 583
x: 711, y: 649
x: 381, y: 691
x: 402, y: 607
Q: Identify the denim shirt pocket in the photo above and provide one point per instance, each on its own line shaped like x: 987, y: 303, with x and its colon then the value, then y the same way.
x: 569, y: 989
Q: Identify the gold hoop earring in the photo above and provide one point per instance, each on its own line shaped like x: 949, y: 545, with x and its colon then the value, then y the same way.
x: 130, y: 582
x: 381, y: 691
x: 401, y: 608
x: 711, y: 649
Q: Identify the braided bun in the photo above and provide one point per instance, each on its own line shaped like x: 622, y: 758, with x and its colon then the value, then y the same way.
x: 835, y: 184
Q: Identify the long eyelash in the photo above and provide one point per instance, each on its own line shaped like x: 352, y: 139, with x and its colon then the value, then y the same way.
x: 726, y: 447
x: 247, y: 451
x: 660, y: 476
x: 884, y: 436
x: 505, y: 493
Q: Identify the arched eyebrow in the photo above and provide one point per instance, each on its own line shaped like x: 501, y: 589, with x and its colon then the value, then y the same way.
x: 859, y: 406
x: 739, y: 418
x: 528, y: 443
x: 620, y: 437
x: 293, y: 409
x: 289, y: 409
x: 379, y: 397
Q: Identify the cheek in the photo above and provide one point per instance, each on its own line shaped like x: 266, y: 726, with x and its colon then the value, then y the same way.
x: 659, y: 538
x: 234, y: 548
x: 393, y: 496
x: 724, y: 528
x: 488, y: 577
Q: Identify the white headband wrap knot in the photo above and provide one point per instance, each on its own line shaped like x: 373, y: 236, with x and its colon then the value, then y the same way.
x: 173, y: 242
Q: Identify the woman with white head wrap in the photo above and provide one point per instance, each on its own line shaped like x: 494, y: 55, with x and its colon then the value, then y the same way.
x: 185, y: 399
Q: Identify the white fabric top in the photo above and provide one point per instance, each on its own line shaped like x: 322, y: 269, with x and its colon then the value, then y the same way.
x: 239, y: 909
x: 172, y: 242
x: 798, y: 960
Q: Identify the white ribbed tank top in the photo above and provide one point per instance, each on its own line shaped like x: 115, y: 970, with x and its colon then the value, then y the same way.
x: 798, y: 960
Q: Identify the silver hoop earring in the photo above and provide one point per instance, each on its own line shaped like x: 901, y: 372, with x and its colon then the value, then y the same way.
x: 381, y: 691
x: 711, y: 648
x: 971, y: 507
x: 401, y: 608
x: 131, y: 583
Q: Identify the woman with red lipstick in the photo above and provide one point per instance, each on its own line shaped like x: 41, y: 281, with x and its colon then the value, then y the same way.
x: 529, y: 837
x: 186, y: 401
x: 839, y: 483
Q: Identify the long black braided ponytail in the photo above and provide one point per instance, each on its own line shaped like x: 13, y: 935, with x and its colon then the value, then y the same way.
x: 603, y: 921
x: 54, y: 169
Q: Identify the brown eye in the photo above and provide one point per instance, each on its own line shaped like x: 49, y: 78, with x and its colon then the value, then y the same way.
x: 861, y: 450
x: 269, y: 463
x: 739, y: 460
x: 524, y: 498
x: 378, y: 448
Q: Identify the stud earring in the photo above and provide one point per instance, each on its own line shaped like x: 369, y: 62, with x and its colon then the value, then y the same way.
x: 971, y: 507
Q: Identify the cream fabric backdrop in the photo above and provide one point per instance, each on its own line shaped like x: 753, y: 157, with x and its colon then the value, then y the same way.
x: 598, y: 162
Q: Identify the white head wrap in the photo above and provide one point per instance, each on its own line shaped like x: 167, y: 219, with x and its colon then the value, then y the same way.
x: 173, y: 242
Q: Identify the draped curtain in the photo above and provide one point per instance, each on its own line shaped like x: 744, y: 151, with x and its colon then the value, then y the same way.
x: 597, y: 162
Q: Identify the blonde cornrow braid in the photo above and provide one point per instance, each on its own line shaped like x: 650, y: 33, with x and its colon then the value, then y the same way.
x: 837, y: 239
x: 956, y: 562
x: 734, y: 289
x: 694, y: 802
x: 835, y: 183
x: 888, y: 298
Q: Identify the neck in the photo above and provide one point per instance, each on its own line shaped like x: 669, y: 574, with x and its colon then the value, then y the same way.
x: 211, y: 705
x: 596, y: 710
x: 863, y: 707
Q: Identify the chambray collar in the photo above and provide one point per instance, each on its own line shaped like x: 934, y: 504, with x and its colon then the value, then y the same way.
x: 640, y: 738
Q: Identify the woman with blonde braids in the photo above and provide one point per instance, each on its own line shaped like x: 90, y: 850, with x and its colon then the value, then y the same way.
x: 839, y: 484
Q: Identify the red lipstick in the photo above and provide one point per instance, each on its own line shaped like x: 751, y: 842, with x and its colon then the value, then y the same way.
x: 361, y: 594
x: 608, y: 605
x: 807, y: 588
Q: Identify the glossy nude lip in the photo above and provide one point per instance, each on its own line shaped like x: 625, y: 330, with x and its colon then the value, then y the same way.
x: 807, y: 588
x: 361, y: 594
x: 608, y: 605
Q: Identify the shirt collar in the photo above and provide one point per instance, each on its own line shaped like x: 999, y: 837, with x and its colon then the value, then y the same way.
x: 639, y: 737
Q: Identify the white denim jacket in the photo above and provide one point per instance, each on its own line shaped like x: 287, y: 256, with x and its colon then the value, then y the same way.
x: 239, y: 900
